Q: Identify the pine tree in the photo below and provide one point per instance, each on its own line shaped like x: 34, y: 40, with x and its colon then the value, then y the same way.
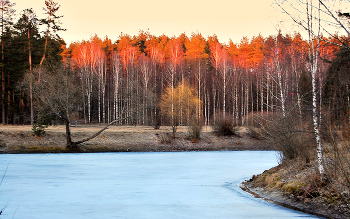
x: 6, y: 14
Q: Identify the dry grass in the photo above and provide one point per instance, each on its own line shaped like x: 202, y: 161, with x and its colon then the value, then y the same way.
x: 20, y: 139
x: 302, y: 186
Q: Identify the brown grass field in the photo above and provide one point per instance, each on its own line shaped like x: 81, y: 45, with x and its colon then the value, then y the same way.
x: 20, y: 139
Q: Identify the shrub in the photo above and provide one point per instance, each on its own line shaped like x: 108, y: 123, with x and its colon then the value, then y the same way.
x: 224, y: 125
x: 39, y: 129
x: 337, y: 160
x: 195, y: 129
x: 293, y: 137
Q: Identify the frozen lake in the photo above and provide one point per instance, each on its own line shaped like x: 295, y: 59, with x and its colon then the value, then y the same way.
x: 135, y: 185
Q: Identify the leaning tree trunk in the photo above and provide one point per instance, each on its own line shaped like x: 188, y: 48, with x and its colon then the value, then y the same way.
x: 71, y: 145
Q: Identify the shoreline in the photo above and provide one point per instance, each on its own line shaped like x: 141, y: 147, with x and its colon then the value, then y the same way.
x: 83, y: 151
x: 297, y: 189
x: 21, y: 140
x: 281, y: 199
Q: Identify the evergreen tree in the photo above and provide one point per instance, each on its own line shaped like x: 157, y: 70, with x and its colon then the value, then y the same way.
x: 52, y: 40
x: 336, y: 90
x: 6, y: 14
x: 28, y: 43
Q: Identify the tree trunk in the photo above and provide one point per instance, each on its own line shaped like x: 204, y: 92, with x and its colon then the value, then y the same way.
x: 99, y: 99
x: 316, y: 126
x: 103, y: 95
x: 44, y: 55
x: 69, y: 144
x: 74, y: 145
x: 2, y: 71
x: 313, y: 57
x: 199, y: 89
x: 31, y: 78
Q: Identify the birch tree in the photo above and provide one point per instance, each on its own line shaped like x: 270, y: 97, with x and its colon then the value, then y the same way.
x: 87, y: 62
x: 312, y: 25
x: 281, y: 84
x: 196, y: 53
x: 224, y: 74
x: 157, y: 58
x: 144, y: 66
x: 116, y: 74
x: 216, y: 56
x: 101, y: 75
x: 176, y: 54
x: 128, y: 55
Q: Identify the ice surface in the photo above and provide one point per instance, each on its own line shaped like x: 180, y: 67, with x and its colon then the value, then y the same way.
x: 135, y: 185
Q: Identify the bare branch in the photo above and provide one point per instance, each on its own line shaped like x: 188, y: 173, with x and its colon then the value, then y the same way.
x: 335, y: 18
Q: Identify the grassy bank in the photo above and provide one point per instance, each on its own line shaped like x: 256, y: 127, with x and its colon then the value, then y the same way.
x: 299, y: 189
x: 298, y: 182
x: 20, y: 139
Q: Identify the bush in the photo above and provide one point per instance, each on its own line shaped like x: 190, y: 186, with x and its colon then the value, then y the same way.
x: 39, y: 129
x: 224, y: 125
x: 337, y: 160
x: 195, y: 129
x: 293, y: 138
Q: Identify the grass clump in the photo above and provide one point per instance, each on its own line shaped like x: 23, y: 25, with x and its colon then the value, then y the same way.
x: 293, y: 187
x: 164, y: 137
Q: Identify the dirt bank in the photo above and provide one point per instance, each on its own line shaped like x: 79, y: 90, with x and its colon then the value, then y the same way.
x: 20, y: 139
x: 297, y: 189
x: 280, y: 198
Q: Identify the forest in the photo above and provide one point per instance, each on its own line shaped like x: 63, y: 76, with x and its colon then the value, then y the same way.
x: 127, y: 77
x: 292, y: 90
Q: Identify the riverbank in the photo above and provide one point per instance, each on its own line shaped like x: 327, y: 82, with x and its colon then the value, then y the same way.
x: 20, y: 139
x: 298, y: 189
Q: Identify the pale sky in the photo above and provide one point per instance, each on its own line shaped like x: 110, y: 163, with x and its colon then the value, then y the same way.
x: 228, y: 19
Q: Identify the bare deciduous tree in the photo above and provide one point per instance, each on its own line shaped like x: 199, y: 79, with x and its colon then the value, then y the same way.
x: 309, y: 18
x: 58, y: 95
x: 116, y: 73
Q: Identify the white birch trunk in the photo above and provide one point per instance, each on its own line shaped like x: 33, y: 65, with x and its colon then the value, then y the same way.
x: 313, y: 57
x: 199, y: 89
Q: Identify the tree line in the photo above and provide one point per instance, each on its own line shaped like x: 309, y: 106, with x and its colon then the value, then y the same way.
x: 128, y: 77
